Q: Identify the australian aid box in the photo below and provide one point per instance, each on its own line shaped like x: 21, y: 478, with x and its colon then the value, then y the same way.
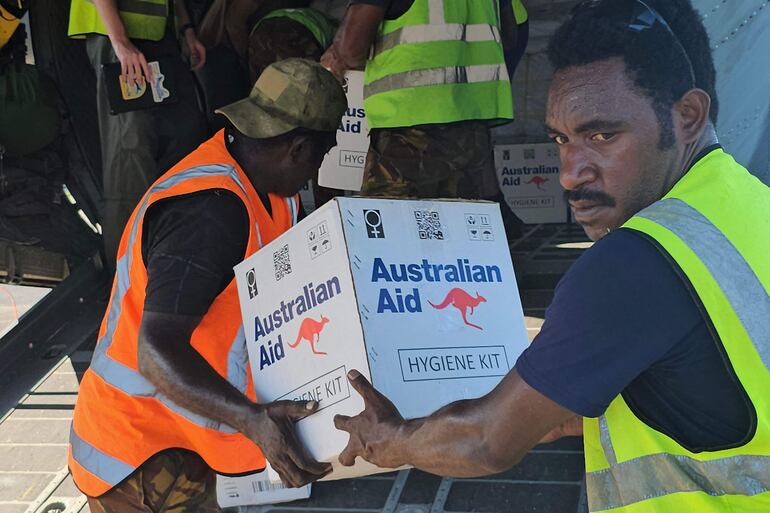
x: 529, y: 180
x: 420, y: 296
x: 343, y: 166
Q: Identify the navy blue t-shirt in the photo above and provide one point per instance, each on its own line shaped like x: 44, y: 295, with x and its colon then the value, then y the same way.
x: 624, y: 321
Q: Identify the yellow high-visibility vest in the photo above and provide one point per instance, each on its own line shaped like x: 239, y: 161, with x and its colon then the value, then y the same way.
x: 440, y: 62
x: 715, y: 227
x: 143, y: 19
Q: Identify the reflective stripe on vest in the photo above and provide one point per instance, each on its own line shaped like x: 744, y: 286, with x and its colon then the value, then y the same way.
x: 108, y: 469
x: 732, y: 273
x: 431, y: 33
x: 143, y: 19
x: 440, y: 62
x: 427, y: 77
x: 294, y: 209
x: 715, y: 225
x: 662, y: 474
x: 132, y: 382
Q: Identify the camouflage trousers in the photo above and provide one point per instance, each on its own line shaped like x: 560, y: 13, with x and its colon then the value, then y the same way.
x: 431, y: 161
x: 173, y: 481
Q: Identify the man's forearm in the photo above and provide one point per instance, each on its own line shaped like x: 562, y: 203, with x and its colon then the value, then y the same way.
x: 108, y: 10
x: 179, y: 372
x: 464, y: 439
x: 354, y: 38
x: 170, y: 362
x: 457, y: 440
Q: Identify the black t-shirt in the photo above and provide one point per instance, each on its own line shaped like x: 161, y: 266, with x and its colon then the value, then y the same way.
x: 190, y: 244
x: 624, y: 321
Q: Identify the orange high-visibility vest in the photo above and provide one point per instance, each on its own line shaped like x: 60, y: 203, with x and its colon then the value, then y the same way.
x: 120, y: 418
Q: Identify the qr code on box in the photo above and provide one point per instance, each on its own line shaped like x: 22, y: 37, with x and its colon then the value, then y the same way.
x: 428, y: 224
x: 281, y: 262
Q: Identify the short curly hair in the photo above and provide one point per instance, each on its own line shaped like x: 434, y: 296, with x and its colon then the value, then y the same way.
x: 655, y: 62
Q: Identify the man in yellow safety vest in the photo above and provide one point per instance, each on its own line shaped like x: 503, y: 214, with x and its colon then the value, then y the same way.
x: 657, y: 344
x: 139, y: 145
x: 435, y: 82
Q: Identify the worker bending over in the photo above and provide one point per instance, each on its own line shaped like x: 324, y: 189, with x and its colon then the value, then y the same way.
x: 168, y: 397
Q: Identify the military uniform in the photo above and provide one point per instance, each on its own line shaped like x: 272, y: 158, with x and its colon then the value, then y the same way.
x: 172, y: 481
x: 435, y: 82
x: 430, y: 161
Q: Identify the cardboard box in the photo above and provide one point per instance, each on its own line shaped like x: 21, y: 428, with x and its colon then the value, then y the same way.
x: 254, y: 490
x: 343, y: 167
x: 420, y: 296
x: 529, y: 180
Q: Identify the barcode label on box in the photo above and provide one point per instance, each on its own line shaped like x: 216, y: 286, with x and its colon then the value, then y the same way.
x: 266, y: 486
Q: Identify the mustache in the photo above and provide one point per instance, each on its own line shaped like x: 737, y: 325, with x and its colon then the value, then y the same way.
x: 598, y: 197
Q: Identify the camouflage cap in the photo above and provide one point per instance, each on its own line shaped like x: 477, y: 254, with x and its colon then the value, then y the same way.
x: 289, y: 94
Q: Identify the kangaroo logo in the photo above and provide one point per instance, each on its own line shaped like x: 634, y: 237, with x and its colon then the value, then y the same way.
x: 463, y: 302
x: 310, y: 330
x: 538, y: 181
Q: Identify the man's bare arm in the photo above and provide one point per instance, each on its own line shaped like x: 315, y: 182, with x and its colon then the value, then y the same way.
x: 194, y: 48
x: 132, y: 62
x: 179, y: 372
x: 464, y: 439
x: 353, y: 40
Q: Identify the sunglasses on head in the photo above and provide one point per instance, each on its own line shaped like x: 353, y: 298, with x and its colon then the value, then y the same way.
x: 639, y: 18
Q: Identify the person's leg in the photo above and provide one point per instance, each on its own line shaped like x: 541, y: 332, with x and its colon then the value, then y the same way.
x: 179, y: 127
x: 432, y: 161
x: 410, y: 162
x: 172, y: 481
x: 129, y: 147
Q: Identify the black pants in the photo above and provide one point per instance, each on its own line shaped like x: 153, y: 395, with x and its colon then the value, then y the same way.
x: 139, y: 146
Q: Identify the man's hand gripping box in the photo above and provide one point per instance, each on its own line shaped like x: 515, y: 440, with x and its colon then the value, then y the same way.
x: 420, y: 296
